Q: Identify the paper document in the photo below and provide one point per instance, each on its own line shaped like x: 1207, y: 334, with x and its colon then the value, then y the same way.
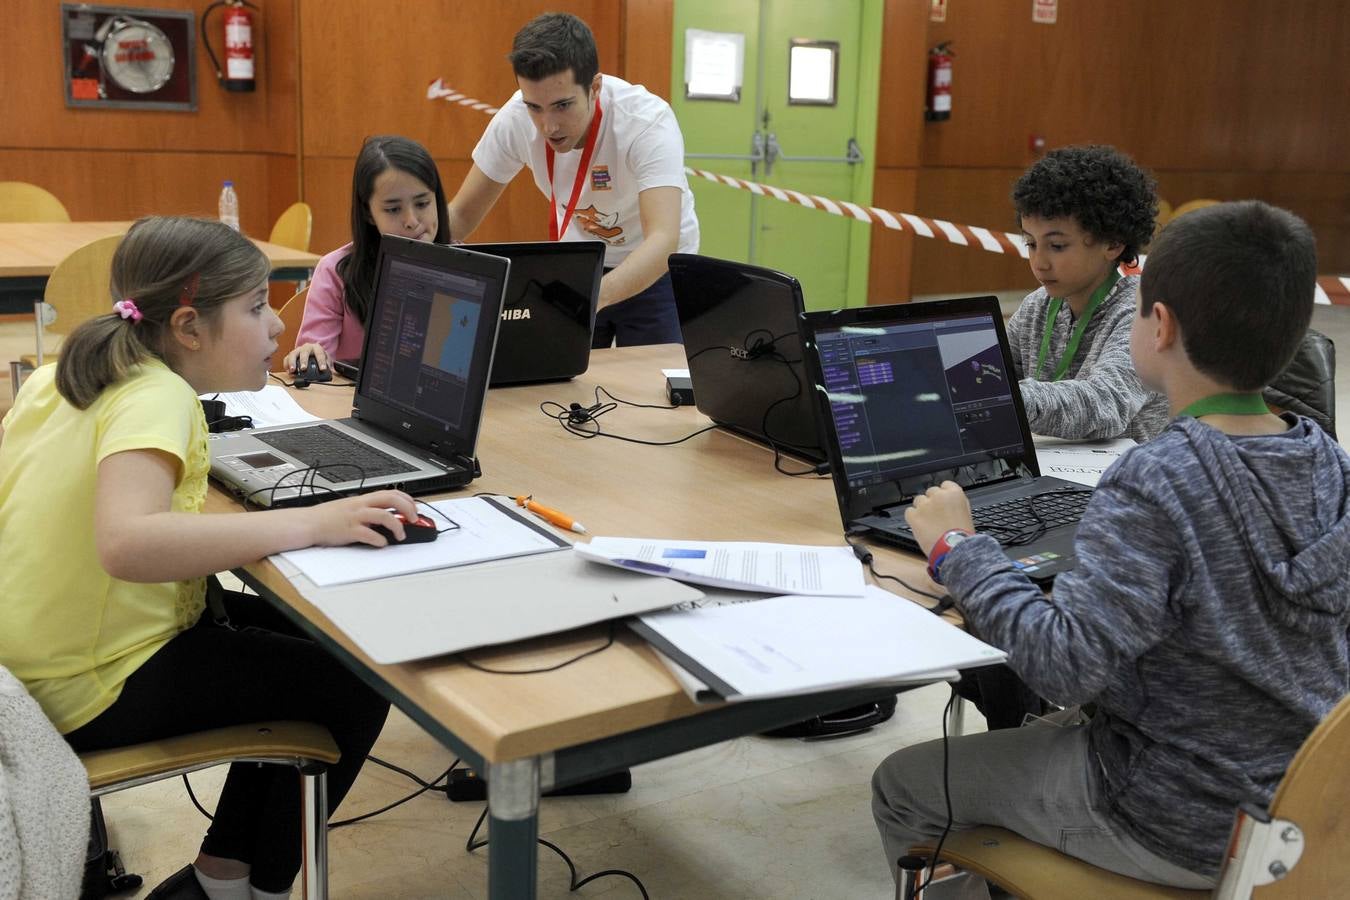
x: 773, y: 568
x: 269, y: 406
x: 798, y: 645
x: 486, y: 531
x: 1083, y: 463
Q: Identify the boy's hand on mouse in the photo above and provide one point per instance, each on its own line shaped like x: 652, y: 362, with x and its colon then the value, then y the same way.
x: 936, y: 512
x: 348, y: 521
x: 298, y: 359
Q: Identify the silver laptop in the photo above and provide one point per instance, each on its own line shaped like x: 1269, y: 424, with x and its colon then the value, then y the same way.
x: 419, y: 399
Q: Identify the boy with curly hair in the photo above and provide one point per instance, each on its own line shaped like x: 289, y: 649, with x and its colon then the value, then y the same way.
x: 1207, y: 615
x: 1083, y: 212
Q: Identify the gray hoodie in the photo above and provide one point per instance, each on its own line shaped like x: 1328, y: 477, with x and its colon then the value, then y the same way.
x: 1206, y: 617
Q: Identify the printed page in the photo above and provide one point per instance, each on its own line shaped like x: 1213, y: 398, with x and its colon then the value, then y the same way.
x: 1082, y: 463
x: 270, y: 406
x: 486, y: 531
x: 771, y: 568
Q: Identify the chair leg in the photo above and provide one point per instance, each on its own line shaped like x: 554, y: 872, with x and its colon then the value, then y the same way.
x: 314, y: 803
x: 956, y: 722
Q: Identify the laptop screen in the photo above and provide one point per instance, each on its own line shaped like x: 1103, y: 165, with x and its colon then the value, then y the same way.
x: 739, y: 324
x: 429, y: 341
x: 920, y: 398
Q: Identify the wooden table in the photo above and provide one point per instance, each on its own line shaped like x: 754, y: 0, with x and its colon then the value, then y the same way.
x: 29, y: 251
x: 620, y: 707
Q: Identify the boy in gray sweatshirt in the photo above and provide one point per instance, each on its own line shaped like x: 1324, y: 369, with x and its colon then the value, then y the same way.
x: 1207, y: 616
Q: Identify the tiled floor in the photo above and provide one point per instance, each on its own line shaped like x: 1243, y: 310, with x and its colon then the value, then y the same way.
x: 751, y: 818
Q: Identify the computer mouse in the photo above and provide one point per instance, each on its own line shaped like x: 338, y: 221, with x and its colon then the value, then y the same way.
x: 312, y: 373
x: 420, y: 531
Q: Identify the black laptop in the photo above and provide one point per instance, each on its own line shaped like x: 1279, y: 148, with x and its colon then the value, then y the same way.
x: 548, y: 315
x: 739, y: 325
x: 916, y: 394
x: 419, y: 395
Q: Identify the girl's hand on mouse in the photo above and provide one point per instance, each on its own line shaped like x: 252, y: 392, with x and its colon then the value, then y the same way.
x: 298, y: 359
x: 348, y: 521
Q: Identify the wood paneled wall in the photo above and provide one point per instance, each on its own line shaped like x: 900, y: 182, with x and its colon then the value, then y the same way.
x: 120, y: 164
x: 1220, y: 99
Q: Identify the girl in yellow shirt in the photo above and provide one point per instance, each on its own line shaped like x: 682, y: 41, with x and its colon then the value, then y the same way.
x: 104, y: 556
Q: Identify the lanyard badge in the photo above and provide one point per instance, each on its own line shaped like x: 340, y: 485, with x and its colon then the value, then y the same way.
x: 1072, y: 349
x: 555, y: 229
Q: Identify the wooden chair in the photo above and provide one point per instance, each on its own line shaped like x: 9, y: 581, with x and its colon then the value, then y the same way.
x: 1190, y: 206
x: 304, y: 745
x: 76, y: 291
x: 291, y: 312
x: 1300, y: 847
x: 24, y: 202
x: 293, y: 227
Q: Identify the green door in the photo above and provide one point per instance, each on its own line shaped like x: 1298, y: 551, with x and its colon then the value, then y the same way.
x: 821, y: 146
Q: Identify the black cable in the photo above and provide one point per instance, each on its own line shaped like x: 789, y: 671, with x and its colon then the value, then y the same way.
x: 945, y: 601
x: 583, y: 421
x: 291, y: 384
x: 946, y: 793
x: 609, y: 642
x: 574, y: 883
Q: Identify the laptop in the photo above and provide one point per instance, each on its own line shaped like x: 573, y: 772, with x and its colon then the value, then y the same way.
x: 916, y: 394
x: 739, y: 324
x: 548, y: 315
x: 419, y: 395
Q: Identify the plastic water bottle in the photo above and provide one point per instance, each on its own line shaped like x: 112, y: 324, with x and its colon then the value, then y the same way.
x: 229, y: 205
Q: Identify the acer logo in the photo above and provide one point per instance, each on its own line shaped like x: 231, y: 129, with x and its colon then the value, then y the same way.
x: 508, y: 314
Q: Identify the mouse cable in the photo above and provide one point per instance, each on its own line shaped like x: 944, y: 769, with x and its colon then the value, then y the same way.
x: 944, y: 601
x: 292, y: 384
x: 609, y: 642
x: 433, y: 785
x: 946, y: 794
x: 574, y: 884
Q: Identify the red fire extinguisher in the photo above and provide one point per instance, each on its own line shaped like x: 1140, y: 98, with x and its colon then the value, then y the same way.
x: 939, y: 107
x: 239, y: 63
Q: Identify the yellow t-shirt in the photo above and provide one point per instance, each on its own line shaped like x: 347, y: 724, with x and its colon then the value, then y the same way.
x: 71, y: 632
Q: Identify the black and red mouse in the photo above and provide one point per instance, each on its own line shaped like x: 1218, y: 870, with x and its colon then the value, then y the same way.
x: 420, y: 531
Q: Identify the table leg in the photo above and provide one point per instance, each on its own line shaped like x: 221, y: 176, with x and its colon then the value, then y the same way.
x: 513, y: 827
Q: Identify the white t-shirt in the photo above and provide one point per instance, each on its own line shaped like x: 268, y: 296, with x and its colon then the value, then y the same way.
x: 639, y: 146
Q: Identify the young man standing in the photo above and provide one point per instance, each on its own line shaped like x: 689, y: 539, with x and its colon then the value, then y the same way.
x: 609, y: 156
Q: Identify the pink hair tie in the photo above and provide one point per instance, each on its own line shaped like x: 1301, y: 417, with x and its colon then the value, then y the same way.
x: 127, y: 310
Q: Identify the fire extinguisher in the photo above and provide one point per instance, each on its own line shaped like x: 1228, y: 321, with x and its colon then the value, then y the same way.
x: 939, y: 107
x: 239, y: 63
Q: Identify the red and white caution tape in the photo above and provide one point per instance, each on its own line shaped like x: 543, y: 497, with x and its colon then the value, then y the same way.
x: 963, y: 235
x: 1331, y: 290
x: 438, y: 91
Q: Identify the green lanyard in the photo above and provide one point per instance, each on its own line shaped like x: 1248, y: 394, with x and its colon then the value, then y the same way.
x: 1228, y: 405
x: 1072, y: 350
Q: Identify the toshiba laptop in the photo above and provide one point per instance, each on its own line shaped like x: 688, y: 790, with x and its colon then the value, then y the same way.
x: 548, y: 314
x: 419, y: 395
x: 739, y: 324
x: 916, y: 394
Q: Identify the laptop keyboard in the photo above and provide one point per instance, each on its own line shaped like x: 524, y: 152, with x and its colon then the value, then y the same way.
x: 323, y: 446
x: 1017, y: 515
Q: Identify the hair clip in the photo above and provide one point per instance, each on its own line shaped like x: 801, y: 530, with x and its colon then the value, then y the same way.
x: 190, y: 289
x: 127, y: 310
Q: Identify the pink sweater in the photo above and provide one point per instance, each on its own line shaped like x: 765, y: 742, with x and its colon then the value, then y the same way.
x: 327, y: 320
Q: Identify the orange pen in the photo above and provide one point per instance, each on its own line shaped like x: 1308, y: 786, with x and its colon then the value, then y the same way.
x: 552, y: 516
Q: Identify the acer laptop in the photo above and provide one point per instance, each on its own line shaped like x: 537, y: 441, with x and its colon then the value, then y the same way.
x: 548, y: 314
x: 419, y: 395
x: 739, y: 324
x: 916, y: 394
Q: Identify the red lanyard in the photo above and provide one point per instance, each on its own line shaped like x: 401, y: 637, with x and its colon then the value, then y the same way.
x: 555, y: 231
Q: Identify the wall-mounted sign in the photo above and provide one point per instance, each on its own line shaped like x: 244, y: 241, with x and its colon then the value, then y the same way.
x: 1044, y: 12
x: 714, y: 64
x: 120, y: 57
x: 937, y: 10
x: 813, y: 72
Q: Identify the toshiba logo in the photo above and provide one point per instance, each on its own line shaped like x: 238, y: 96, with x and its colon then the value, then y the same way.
x: 508, y: 314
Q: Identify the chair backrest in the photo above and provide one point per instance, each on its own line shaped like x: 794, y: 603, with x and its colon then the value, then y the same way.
x: 1315, y: 795
x: 1307, y: 385
x: 293, y: 227
x: 78, y: 286
x: 24, y: 202
x: 1190, y: 206
x: 291, y: 312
